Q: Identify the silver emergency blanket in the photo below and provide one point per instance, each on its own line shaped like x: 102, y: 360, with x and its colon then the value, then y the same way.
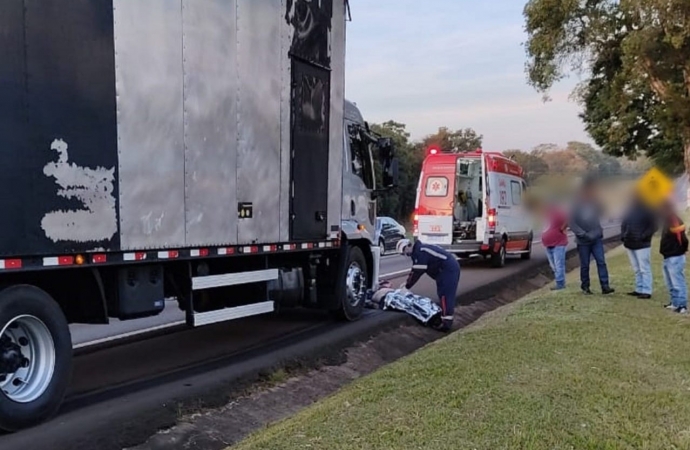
x: 421, y: 308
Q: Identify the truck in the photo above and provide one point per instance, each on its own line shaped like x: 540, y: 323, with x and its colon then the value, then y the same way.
x: 472, y: 204
x: 201, y: 150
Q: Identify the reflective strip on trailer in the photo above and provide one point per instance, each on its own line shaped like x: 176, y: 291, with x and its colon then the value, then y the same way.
x: 58, y: 261
x: 6, y: 264
x: 139, y: 256
x: 99, y: 259
x: 103, y: 258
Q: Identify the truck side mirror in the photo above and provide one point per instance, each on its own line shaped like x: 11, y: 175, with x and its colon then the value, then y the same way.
x: 391, y: 176
x: 389, y: 163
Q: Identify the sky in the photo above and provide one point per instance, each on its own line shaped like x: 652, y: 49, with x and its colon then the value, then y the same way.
x: 454, y: 63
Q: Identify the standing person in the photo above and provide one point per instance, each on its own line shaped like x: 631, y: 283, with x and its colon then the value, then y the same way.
x: 637, y: 229
x: 555, y: 240
x: 674, y: 246
x: 442, y: 267
x: 585, y: 221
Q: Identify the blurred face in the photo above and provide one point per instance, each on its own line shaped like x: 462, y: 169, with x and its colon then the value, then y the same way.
x: 667, y: 209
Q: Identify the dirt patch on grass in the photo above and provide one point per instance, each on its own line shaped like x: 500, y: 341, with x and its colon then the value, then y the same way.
x: 290, y: 390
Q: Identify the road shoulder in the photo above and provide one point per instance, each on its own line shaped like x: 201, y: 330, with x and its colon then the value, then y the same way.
x: 287, y: 392
x: 554, y: 369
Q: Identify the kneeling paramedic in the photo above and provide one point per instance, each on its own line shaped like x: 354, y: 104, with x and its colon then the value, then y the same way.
x: 441, y: 266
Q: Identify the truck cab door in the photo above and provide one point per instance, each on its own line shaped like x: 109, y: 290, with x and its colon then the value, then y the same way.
x: 358, y: 182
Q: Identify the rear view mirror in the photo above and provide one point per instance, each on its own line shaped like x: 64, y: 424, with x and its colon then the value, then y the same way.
x: 391, y: 176
x: 389, y: 162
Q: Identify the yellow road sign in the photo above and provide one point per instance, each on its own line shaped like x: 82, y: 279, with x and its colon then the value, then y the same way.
x: 655, y: 187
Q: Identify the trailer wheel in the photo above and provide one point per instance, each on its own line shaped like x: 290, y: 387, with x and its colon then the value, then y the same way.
x: 356, y: 283
x: 35, y: 357
x: 498, y: 259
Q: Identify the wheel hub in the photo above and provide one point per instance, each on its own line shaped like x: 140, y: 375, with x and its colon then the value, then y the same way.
x: 355, y: 284
x: 27, y: 359
x: 11, y: 357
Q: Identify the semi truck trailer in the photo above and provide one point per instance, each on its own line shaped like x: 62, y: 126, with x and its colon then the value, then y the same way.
x: 195, y: 149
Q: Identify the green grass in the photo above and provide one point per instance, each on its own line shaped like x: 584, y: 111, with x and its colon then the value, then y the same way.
x: 552, y: 371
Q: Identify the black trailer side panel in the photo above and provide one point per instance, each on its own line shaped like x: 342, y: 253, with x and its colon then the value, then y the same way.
x: 14, y: 188
x: 311, y: 122
x: 311, y: 97
x: 70, y: 156
x: 312, y: 23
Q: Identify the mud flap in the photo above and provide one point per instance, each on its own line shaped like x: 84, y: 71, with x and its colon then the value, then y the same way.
x: 375, y: 270
x: 333, y: 301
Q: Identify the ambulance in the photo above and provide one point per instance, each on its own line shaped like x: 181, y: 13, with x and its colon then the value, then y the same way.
x: 472, y: 204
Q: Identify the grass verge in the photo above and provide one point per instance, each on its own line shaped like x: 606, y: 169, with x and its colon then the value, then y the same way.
x: 551, y: 371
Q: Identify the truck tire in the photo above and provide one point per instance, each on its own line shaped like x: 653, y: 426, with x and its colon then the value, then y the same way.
x: 35, y: 357
x: 498, y: 259
x: 356, y: 284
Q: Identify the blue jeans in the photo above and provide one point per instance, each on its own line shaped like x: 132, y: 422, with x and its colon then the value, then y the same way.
x: 594, y: 250
x: 674, y: 275
x: 556, y: 256
x: 640, y: 260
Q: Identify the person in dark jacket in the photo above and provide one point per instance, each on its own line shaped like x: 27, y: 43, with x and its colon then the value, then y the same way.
x: 442, y: 267
x: 637, y: 228
x: 673, y: 247
x: 585, y: 222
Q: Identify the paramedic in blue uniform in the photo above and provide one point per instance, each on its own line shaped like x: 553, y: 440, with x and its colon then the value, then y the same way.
x: 441, y: 266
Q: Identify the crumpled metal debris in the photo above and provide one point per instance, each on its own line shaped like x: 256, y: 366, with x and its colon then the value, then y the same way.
x: 421, y: 308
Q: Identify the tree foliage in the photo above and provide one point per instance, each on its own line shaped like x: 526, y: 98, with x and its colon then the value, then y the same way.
x: 638, y: 53
x: 533, y: 165
x: 399, y: 203
x: 458, y: 141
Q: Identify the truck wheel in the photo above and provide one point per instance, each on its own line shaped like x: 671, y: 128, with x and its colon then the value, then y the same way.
x: 528, y: 255
x: 498, y: 259
x: 356, y: 284
x: 35, y: 357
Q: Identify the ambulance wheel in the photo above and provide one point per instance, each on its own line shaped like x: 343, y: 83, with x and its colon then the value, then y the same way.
x: 528, y: 255
x: 35, y: 357
x: 356, y: 284
x: 498, y: 259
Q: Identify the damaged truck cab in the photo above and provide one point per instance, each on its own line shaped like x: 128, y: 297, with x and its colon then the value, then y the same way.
x: 195, y: 149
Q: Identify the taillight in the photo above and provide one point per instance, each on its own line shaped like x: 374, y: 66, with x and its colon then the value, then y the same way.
x: 415, y: 224
x: 491, y: 219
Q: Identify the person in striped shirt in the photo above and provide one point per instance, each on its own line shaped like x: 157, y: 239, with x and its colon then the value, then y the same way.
x: 439, y: 265
x: 673, y: 247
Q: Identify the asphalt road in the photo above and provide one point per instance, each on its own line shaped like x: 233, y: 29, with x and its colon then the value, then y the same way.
x: 392, y: 267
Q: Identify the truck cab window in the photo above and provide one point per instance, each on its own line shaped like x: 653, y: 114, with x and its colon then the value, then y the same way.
x: 361, y: 157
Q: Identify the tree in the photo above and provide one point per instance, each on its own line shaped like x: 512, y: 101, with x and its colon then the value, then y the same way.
x: 596, y: 160
x: 532, y: 164
x: 541, y: 149
x: 565, y: 162
x: 399, y: 203
x: 638, y: 52
x: 458, y: 141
